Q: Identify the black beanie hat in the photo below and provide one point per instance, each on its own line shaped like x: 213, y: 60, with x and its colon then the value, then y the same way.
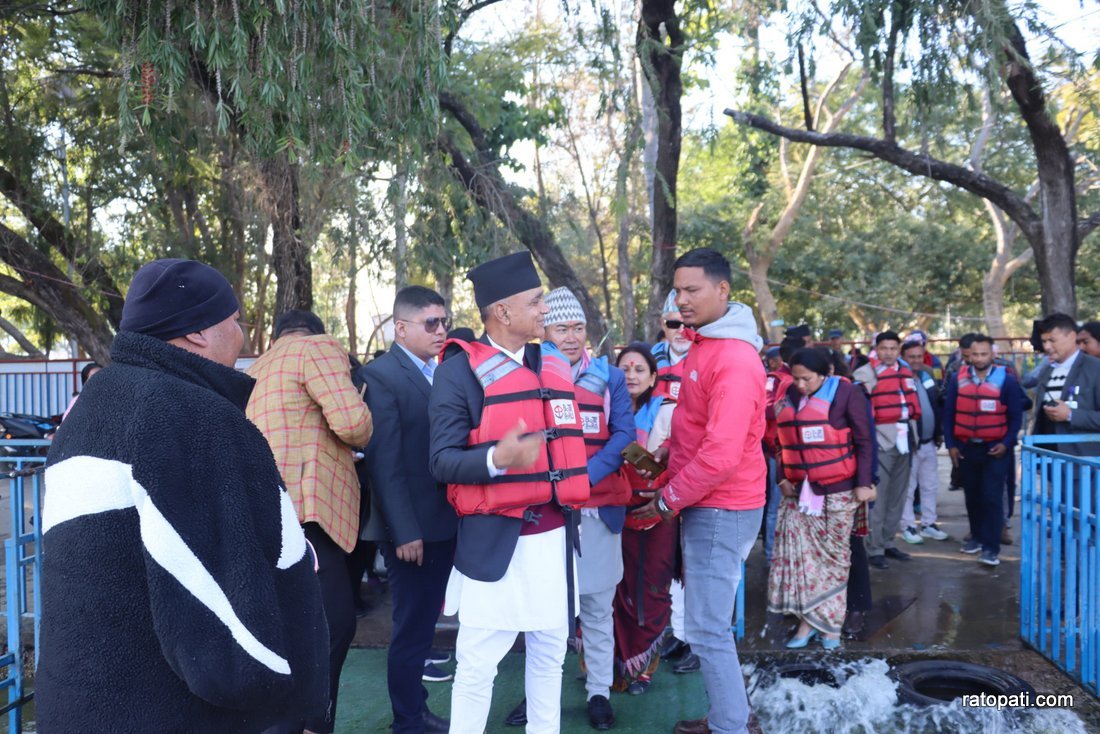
x: 503, y: 277
x: 170, y: 298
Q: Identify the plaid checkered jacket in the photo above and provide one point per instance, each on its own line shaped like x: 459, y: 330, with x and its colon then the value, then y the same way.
x: 312, y: 416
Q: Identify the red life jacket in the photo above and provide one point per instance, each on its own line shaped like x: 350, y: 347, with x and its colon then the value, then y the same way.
x: 669, y: 376
x: 775, y: 388
x: 590, y: 388
x: 979, y: 412
x: 811, y: 448
x: 894, y: 391
x: 545, y: 401
x: 643, y: 423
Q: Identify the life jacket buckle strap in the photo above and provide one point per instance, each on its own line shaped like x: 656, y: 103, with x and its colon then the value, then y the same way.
x: 551, y: 434
x: 531, y: 516
x: 555, y: 475
x: 544, y: 393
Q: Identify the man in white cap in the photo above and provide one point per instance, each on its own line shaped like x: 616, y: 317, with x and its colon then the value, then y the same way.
x: 607, y: 418
x: 670, y: 353
x: 506, y: 438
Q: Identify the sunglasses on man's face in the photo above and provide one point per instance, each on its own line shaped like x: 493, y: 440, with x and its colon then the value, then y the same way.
x: 674, y: 323
x: 432, y: 325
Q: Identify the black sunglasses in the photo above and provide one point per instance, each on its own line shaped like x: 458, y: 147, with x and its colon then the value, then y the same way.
x: 673, y: 323
x: 432, y: 325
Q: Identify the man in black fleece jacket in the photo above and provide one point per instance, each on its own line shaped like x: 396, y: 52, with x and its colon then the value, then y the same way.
x: 178, y: 592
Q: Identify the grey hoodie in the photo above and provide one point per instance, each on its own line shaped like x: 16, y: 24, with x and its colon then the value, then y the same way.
x: 738, y: 323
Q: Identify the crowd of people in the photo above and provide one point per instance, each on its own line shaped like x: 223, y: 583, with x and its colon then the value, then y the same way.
x: 203, y: 528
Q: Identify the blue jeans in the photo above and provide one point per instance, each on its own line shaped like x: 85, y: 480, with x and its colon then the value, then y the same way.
x: 715, y: 542
x: 771, y: 508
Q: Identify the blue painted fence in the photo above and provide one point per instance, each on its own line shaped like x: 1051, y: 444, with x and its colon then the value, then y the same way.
x: 1060, y: 567
x: 38, y: 393
x: 22, y: 559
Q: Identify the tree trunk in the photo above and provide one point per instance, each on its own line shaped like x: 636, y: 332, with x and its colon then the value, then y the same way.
x: 350, y: 305
x: 400, y: 233
x: 765, y: 299
x: 293, y: 270
x: 52, y: 291
x: 1056, y: 240
x: 20, y: 338
x: 492, y: 193
x: 660, y: 45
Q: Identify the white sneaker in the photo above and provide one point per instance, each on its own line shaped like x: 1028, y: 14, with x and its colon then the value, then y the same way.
x: 910, y: 535
x: 931, y: 531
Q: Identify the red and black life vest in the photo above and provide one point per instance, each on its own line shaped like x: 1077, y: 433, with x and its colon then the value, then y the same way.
x: 669, y: 376
x: 545, y: 402
x: 643, y: 424
x: 774, y: 389
x: 894, y: 392
x: 811, y: 448
x: 979, y: 413
x: 590, y: 388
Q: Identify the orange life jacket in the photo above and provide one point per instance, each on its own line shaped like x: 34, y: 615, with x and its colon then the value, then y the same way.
x: 643, y: 424
x: 811, y: 448
x: 894, y: 391
x: 590, y: 388
x: 546, y: 403
x: 669, y: 376
x: 979, y: 412
x: 774, y: 390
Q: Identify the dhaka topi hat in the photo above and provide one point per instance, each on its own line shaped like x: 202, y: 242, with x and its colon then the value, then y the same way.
x: 564, y: 308
x: 171, y: 298
x: 670, y: 304
x: 503, y: 277
x: 835, y: 333
x: 465, y: 333
x: 798, y: 332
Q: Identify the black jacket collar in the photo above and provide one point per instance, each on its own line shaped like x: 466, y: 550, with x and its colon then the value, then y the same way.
x: 139, y: 350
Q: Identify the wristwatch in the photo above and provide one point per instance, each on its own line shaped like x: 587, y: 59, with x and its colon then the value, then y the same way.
x: 662, y: 507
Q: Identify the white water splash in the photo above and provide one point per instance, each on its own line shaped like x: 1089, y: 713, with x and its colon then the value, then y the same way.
x: 865, y: 702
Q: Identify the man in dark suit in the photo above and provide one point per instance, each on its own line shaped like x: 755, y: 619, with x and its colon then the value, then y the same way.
x: 410, y: 516
x: 1067, y: 399
x: 510, y: 562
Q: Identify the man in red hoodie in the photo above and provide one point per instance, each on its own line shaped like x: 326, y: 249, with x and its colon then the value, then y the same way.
x: 716, y: 475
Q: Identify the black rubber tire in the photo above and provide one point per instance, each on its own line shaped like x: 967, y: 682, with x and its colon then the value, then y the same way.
x: 932, y: 682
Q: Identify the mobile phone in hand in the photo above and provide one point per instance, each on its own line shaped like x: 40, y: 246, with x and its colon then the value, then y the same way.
x: 636, y: 455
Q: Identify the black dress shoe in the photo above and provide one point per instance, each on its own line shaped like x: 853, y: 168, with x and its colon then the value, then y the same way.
x: 853, y: 625
x: 877, y: 562
x: 435, y: 724
x: 600, y: 715
x: 638, y: 687
x: 518, y: 716
x: 673, y: 648
x: 432, y: 724
x: 689, y: 663
x: 898, y: 555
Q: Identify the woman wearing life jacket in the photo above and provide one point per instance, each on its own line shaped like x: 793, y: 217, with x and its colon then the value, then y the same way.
x: 826, y: 448
x: 642, y: 601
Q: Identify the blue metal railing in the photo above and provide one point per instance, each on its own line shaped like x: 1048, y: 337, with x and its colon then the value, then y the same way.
x: 1060, y: 567
x: 21, y: 552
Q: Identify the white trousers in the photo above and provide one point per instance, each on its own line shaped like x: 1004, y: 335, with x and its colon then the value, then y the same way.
x: 924, y: 470
x: 677, y: 593
x: 479, y: 652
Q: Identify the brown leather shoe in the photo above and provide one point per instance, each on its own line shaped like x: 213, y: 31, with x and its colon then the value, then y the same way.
x: 693, y: 726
